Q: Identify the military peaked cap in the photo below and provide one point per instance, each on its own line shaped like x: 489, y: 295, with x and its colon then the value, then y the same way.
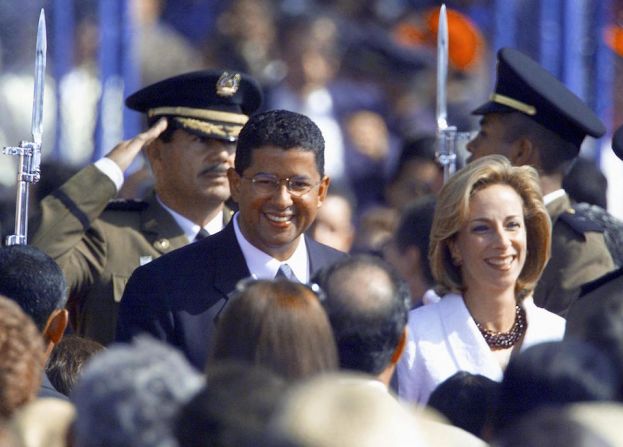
x: 208, y: 103
x: 524, y: 86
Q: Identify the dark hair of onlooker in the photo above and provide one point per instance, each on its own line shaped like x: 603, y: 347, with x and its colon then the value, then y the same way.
x: 586, y: 183
x: 421, y: 147
x: 546, y: 427
x: 67, y: 360
x: 234, y: 408
x: 280, y: 325
x: 466, y: 400
x: 282, y: 129
x: 554, y: 374
x: 33, y: 280
x: 414, y: 228
x: 21, y: 358
x: 368, y: 304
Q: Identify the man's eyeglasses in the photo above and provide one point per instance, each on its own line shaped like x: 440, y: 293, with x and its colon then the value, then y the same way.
x: 267, y: 184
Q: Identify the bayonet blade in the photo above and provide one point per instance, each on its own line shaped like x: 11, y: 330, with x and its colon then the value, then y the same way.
x: 442, y: 69
x: 37, y: 100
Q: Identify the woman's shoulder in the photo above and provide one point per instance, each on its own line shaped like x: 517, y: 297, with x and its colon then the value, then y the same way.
x: 535, y: 312
x: 429, y: 316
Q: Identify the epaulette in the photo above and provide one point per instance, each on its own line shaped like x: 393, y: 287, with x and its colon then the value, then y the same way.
x: 579, y: 222
x: 126, y: 205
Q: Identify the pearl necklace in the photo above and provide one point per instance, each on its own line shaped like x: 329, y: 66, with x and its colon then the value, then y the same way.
x: 505, y: 340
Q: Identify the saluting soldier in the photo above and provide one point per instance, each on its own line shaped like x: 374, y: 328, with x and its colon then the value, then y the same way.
x: 195, y: 119
x: 533, y: 119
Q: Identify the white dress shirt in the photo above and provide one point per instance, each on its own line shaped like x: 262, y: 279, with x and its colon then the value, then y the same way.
x: 264, y: 266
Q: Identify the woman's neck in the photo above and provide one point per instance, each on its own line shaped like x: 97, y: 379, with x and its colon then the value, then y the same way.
x: 493, y: 310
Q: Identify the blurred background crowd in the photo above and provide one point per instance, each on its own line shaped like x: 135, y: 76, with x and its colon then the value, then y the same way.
x: 363, y: 70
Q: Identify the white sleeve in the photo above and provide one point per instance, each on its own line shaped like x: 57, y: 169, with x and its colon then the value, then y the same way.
x: 112, y: 170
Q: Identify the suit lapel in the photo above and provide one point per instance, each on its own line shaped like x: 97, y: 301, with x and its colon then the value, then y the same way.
x: 233, y: 267
x: 316, y: 254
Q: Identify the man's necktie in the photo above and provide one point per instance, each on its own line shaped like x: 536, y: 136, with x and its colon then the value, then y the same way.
x: 285, y: 272
x: 203, y: 233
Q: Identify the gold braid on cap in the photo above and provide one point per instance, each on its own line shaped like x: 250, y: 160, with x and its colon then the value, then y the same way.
x: 514, y: 104
x: 202, y: 114
x: 225, y: 131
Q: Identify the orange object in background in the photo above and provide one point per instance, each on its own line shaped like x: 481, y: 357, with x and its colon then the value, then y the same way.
x: 466, y: 42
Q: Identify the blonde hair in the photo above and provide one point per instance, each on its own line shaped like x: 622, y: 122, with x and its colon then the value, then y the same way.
x: 452, y: 212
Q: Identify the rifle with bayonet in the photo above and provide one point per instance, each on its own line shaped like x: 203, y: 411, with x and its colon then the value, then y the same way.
x: 447, y: 136
x: 29, y: 152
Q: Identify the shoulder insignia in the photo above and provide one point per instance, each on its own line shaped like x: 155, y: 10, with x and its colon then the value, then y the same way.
x: 580, y: 222
x: 126, y: 205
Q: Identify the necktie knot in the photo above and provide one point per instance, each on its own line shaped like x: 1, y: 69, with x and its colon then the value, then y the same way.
x: 285, y: 272
x: 203, y: 233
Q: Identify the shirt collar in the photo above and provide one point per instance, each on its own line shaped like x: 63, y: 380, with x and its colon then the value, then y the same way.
x: 550, y: 197
x: 190, y: 228
x: 264, y: 266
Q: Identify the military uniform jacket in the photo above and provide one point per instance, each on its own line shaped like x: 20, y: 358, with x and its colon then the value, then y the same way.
x: 179, y: 297
x: 99, y: 243
x: 579, y: 255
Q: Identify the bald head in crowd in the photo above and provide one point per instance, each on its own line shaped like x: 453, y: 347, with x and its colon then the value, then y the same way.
x: 367, y: 304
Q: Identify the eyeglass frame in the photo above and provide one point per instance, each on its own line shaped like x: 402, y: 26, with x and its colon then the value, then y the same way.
x: 278, y: 182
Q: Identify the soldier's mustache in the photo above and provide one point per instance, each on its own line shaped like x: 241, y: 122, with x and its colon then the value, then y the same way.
x: 218, y: 168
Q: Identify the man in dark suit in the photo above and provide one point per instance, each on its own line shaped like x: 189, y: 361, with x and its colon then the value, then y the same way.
x: 98, y: 242
x: 533, y: 119
x: 279, y: 183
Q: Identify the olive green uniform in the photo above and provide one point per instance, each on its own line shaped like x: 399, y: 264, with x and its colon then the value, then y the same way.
x: 579, y: 255
x: 99, y: 243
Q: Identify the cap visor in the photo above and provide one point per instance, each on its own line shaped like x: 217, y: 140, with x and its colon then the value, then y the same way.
x: 492, y: 107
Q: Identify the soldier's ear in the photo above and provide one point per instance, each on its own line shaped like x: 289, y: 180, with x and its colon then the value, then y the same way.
x: 153, y: 150
x: 524, y: 152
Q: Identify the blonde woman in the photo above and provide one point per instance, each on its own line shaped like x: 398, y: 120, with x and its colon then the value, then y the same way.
x: 490, y: 241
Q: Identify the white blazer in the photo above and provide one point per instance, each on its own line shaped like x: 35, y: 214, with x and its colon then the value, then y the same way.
x: 443, y: 339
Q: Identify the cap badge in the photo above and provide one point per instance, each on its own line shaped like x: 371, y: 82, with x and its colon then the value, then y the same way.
x: 228, y: 84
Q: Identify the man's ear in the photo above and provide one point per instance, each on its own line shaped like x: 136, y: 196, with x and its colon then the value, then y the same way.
x: 153, y: 152
x: 234, y: 183
x: 56, y: 325
x: 523, y: 153
x: 400, y: 347
x: 323, y: 189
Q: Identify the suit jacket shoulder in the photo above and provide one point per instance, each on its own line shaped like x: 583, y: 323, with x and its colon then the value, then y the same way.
x: 321, y: 255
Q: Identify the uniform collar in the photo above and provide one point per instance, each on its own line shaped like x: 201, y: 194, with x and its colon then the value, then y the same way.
x: 554, y: 195
x: 190, y: 228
